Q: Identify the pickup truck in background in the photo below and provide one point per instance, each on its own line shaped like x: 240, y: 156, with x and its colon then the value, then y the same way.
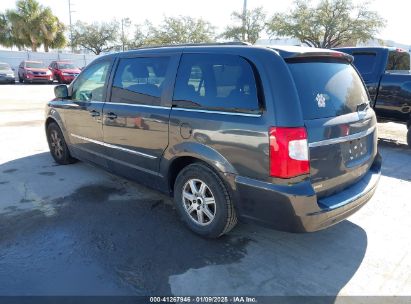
x: 386, y: 73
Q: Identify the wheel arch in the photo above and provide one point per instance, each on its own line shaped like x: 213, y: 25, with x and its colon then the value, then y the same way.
x: 185, y: 154
x: 54, y: 117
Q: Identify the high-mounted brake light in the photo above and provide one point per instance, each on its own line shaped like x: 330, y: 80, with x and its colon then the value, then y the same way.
x: 288, y: 152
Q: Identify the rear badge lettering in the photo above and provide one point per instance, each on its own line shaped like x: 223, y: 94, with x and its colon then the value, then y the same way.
x: 320, y: 100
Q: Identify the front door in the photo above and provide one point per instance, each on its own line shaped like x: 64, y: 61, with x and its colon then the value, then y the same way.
x: 135, y: 118
x: 83, y: 113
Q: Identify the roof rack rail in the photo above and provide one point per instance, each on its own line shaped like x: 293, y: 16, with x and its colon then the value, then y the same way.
x: 194, y: 44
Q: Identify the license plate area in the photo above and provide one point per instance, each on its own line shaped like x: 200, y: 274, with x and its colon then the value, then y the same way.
x: 355, y: 152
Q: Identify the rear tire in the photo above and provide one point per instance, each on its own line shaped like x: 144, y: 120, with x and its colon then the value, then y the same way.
x: 58, y: 147
x: 203, y: 201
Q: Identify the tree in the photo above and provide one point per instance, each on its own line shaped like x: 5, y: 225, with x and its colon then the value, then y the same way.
x: 248, y: 27
x: 96, y: 37
x: 141, y: 36
x: 125, y: 41
x: 177, y: 30
x: 5, y: 31
x: 31, y: 25
x: 330, y: 23
x: 52, y: 30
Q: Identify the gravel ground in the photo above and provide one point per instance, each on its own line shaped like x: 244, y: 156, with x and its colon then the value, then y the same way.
x: 77, y: 230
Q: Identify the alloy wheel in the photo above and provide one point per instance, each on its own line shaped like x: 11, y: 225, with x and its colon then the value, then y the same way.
x: 199, y: 202
x: 56, y: 144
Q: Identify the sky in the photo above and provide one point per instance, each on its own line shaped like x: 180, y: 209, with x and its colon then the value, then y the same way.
x: 397, y: 13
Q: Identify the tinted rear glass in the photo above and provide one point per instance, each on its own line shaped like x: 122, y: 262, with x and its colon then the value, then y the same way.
x: 364, y: 62
x: 398, y: 61
x: 327, y: 89
x: 216, y: 81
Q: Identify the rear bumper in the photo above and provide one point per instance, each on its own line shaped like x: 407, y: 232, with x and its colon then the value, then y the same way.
x: 296, y: 208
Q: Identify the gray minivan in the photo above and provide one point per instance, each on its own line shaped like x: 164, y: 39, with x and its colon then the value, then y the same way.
x: 282, y: 136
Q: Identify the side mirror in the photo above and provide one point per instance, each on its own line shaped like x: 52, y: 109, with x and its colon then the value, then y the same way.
x: 61, y: 91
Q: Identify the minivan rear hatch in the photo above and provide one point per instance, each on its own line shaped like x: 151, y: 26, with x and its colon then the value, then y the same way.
x: 341, y: 126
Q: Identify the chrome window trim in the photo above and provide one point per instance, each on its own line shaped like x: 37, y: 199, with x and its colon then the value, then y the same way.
x: 139, y: 105
x: 337, y: 140
x: 216, y: 112
x: 113, y: 146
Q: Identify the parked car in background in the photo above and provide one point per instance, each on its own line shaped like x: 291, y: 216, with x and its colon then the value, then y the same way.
x: 34, y: 71
x: 386, y: 73
x: 6, y: 74
x: 64, y: 71
x: 280, y: 136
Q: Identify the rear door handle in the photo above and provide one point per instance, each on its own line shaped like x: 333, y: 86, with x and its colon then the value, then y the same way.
x: 94, y: 113
x: 111, y: 115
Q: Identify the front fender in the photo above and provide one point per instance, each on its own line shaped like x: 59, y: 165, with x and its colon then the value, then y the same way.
x: 53, y: 114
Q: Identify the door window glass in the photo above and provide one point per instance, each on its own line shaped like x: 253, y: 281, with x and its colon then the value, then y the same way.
x: 140, y: 80
x: 91, y: 84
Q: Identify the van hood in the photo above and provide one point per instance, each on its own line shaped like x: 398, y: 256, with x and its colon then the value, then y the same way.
x: 37, y: 69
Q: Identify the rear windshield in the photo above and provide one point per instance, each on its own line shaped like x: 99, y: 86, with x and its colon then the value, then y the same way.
x: 35, y: 65
x: 4, y: 66
x: 398, y: 61
x: 328, y: 89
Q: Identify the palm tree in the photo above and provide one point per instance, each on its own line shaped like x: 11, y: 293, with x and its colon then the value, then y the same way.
x: 52, y: 30
x: 26, y: 18
x: 31, y: 25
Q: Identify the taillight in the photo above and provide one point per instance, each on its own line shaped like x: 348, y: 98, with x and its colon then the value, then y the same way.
x: 288, y: 152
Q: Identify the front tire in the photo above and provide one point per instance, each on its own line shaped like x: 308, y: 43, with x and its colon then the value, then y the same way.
x: 203, y: 201
x: 58, y: 147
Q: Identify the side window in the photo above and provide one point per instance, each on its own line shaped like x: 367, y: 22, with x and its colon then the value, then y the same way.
x: 214, y: 81
x: 140, y: 80
x: 90, y: 85
x: 398, y: 61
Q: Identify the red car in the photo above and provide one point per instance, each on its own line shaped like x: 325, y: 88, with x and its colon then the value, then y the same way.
x: 64, y: 71
x: 34, y: 71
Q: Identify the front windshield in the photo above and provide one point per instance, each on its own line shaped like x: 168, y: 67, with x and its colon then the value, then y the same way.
x: 66, y: 65
x: 35, y: 65
x: 4, y: 66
